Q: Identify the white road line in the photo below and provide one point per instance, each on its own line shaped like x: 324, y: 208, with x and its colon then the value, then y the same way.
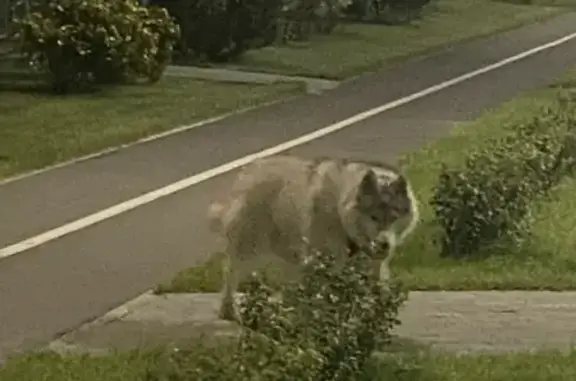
x: 152, y: 196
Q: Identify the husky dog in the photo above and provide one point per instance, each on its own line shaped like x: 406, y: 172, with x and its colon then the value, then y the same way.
x: 285, y: 205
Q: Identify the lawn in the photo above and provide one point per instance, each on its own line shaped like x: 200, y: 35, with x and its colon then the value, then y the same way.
x: 555, y: 3
x: 544, y: 366
x: 356, y: 48
x: 545, y: 261
x: 39, y: 129
x: 52, y: 367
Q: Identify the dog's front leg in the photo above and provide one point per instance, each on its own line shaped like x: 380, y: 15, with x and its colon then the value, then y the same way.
x: 382, y: 270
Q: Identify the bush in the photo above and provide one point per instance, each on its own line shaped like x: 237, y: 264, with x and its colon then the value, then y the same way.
x: 489, y: 199
x: 302, y: 18
x: 220, y: 30
x: 387, y: 11
x: 223, y: 30
x: 80, y: 42
x: 325, y: 327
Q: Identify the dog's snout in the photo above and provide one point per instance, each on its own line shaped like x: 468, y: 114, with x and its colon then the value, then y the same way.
x: 380, y: 246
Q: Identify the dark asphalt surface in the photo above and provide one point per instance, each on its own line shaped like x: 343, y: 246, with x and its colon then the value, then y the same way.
x: 59, y: 285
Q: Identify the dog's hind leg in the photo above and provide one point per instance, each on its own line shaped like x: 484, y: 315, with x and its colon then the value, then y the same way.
x: 242, y: 255
x: 232, y: 224
x: 241, y: 258
x: 231, y: 278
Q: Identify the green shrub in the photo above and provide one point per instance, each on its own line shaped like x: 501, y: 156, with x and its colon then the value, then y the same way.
x: 489, y: 199
x: 324, y: 327
x: 302, y: 18
x: 387, y: 11
x: 220, y: 30
x: 334, y: 318
x: 407, y: 5
x: 79, y: 42
x: 523, y: 2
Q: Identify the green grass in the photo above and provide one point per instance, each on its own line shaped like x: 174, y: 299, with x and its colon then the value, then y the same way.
x: 426, y: 366
x: 52, y: 367
x: 204, y: 278
x: 546, y: 3
x: 544, y: 366
x: 545, y: 261
x: 356, y: 48
x: 39, y: 129
x: 208, y: 276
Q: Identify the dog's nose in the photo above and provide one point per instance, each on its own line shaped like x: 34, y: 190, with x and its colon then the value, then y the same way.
x: 380, y: 248
x: 384, y: 245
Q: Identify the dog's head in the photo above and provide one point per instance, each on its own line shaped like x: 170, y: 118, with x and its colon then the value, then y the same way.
x: 380, y: 201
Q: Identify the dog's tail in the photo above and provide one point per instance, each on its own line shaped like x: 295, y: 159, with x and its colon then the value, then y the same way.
x: 223, y: 215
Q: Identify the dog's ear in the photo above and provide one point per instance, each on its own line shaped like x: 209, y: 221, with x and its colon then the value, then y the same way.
x: 369, y: 183
x: 368, y: 191
x: 399, y: 186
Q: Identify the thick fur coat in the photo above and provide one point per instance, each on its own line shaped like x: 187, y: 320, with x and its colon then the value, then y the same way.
x: 287, y: 205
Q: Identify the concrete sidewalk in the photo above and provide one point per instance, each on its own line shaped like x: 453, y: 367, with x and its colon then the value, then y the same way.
x: 478, y: 321
x: 313, y: 85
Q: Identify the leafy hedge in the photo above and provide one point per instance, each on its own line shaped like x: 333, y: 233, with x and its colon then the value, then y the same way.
x: 218, y: 30
x: 222, y: 30
x: 87, y: 42
x: 80, y: 42
x: 489, y: 198
x: 388, y: 11
x: 325, y: 327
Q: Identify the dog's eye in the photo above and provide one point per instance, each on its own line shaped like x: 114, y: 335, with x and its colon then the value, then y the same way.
x: 374, y: 218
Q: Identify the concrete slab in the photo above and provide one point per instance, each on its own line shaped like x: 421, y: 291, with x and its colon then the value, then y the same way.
x: 313, y: 85
x: 480, y: 321
x: 148, y: 321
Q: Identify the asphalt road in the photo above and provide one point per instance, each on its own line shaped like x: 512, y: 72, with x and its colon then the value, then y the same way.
x: 55, y: 287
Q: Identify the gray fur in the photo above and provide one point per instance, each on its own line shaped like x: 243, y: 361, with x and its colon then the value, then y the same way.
x: 284, y: 205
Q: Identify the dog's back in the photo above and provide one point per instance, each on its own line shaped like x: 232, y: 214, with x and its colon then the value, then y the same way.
x: 267, y: 207
x: 258, y: 189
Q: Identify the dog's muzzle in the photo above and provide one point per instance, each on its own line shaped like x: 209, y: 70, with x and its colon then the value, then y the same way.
x: 376, y: 250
